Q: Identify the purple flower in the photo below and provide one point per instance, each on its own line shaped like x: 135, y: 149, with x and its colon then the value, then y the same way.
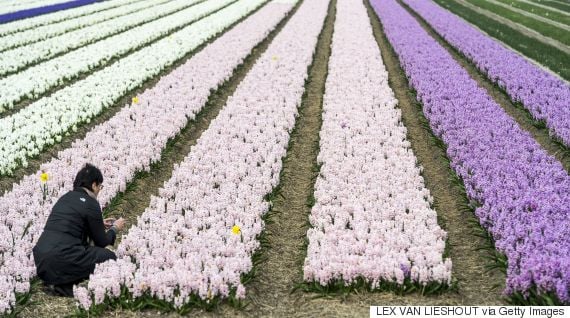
x: 504, y: 169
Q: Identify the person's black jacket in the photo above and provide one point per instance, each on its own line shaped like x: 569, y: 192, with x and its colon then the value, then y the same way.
x: 63, y: 254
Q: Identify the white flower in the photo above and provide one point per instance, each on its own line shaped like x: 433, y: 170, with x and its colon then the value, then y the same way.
x: 85, y: 99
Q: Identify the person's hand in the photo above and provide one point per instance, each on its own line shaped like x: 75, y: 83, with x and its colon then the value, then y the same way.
x: 119, y: 224
x: 108, y: 222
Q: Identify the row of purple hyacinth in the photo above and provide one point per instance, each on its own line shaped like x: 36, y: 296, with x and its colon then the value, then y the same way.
x: 33, y: 12
x: 545, y: 96
x: 524, y: 194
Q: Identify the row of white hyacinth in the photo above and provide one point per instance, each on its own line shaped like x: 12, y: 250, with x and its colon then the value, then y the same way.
x: 372, y: 218
x: 43, y: 123
x: 20, y: 57
x: 126, y: 144
x: 51, y: 30
x: 198, y: 236
x: 19, y: 2
x: 39, y: 79
x: 59, y: 16
x: 13, y: 7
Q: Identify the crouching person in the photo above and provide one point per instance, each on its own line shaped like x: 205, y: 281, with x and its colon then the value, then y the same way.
x: 63, y: 255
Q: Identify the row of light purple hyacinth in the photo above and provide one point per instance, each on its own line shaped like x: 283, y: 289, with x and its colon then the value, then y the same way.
x: 524, y: 194
x: 545, y: 96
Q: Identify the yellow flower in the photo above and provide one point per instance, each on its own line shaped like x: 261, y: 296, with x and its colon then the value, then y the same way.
x: 236, y: 229
x: 44, y: 177
x: 135, y: 100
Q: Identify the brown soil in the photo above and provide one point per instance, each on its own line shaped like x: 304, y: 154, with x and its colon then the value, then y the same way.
x: 6, y: 182
x: 518, y: 113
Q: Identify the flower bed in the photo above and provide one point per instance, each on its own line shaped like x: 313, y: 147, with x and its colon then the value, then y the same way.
x: 42, y: 123
x: 372, y: 217
x: 26, y: 24
x: 51, y: 6
x: 18, y: 58
x: 51, y: 30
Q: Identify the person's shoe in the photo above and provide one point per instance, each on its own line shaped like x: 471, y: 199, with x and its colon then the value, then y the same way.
x: 49, y: 289
x: 59, y: 290
x: 64, y: 290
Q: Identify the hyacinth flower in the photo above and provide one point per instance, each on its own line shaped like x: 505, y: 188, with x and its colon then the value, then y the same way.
x: 543, y: 94
x: 371, y: 222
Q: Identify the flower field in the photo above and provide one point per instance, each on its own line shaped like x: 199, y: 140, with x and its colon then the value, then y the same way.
x: 265, y: 153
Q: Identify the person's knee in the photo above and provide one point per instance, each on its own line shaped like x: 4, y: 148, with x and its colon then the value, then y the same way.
x: 105, y: 255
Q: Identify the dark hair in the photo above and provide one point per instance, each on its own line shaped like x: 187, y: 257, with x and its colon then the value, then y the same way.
x: 87, y: 175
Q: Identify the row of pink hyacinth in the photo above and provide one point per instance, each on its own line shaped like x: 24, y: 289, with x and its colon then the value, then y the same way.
x: 126, y: 144
x: 372, y: 218
x: 198, y: 236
